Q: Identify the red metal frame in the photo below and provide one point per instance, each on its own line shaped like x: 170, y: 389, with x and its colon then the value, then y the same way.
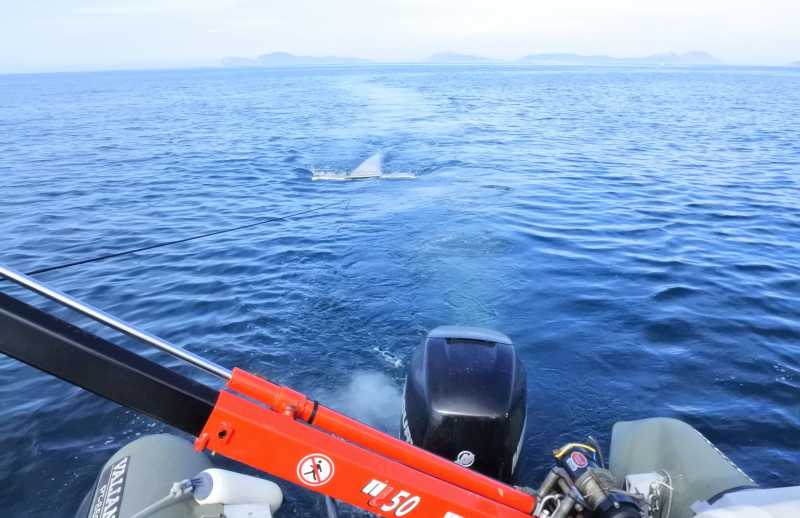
x: 345, y: 459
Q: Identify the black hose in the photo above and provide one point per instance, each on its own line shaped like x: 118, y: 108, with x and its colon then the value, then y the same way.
x: 599, y: 451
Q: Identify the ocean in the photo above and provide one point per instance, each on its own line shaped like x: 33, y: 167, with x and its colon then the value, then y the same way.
x: 635, y: 231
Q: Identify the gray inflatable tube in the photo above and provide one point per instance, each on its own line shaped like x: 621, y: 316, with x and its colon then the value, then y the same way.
x: 141, y: 474
x: 698, y: 470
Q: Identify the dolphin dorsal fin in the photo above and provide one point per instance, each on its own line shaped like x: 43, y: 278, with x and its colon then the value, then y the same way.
x: 370, y: 167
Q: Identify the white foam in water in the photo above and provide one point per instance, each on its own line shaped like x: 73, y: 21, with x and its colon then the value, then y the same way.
x: 372, y: 398
x: 392, y: 359
x: 372, y: 167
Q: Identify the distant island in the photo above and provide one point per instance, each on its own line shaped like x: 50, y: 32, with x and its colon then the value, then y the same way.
x: 794, y: 64
x: 284, y: 59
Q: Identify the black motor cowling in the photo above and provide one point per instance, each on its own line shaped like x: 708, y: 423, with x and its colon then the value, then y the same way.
x: 465, y: 399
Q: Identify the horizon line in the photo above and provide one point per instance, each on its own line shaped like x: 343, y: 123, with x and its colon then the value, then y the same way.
x: 219, y: 63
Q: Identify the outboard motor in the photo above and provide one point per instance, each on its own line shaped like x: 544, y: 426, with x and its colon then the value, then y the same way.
x: 465, y: 399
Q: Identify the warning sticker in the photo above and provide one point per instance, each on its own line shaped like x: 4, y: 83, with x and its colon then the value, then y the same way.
x: 577, y: 461
x: 315, y: 469
x: 107, y: 499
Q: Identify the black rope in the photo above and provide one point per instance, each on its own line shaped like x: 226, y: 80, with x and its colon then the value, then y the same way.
x: 177, y: 241
x: 313, y: 412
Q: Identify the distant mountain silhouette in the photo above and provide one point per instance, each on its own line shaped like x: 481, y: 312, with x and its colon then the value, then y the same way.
x: 284, y: 59
x: 456, y: 58
x: 794, y: 64
x: 668, y: 58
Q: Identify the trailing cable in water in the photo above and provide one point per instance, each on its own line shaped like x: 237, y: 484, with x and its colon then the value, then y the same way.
x: 178, y: 241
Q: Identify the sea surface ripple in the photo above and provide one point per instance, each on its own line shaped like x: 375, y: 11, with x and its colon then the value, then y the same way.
x: 636, y: 231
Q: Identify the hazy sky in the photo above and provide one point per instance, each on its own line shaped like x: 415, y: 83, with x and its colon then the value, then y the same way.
x: 44, y: 35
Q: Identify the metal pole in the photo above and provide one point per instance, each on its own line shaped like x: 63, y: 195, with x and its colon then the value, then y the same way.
x: 113, y: 322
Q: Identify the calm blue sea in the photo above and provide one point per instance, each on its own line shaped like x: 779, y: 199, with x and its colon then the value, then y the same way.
x: 636, y: 231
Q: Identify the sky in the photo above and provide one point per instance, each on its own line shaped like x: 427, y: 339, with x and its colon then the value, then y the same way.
x: 66, y: 35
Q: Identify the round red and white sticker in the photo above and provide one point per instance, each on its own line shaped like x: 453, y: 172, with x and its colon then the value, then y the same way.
x: 579, y: 459
x: 315, y: 469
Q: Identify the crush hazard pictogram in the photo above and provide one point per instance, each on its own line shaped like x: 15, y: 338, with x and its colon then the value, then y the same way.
x: 315, y: 469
